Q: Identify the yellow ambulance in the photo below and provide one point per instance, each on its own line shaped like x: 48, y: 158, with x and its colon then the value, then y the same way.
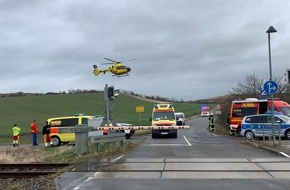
x: 62, y: 128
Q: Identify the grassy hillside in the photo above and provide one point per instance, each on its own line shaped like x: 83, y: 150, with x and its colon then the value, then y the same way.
x: 24, y: 109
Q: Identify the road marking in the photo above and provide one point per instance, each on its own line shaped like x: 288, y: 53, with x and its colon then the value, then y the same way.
x: 186, y: 140
x: 188, y: 143
x: 96, y: 174
x: 118, y: 158
x: 284, y: 154
x: 214, y: 134
x: 86, y: 179
x: 166, y: 145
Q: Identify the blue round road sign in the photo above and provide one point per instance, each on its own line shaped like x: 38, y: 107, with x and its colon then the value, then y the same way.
x: 270, y: 87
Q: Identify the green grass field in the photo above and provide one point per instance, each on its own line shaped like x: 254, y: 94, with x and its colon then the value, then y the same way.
x: 24, y: 109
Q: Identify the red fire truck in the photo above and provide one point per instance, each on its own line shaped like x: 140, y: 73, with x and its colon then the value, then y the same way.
x: 253, y: 106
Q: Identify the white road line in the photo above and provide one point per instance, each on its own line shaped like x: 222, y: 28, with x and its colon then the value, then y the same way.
x: 118, y: 158
x: 80, y: 184
x: 166, y: 145
x: 95, y: 174
x: 284, y: 154
x: 214, y: 134
x: 186, y: 140
x: 188, y: 143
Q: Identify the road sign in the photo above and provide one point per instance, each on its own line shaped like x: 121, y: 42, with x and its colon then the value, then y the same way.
x: 270, y: 87
x: 139, y: 109
x: 218, y: 107
x: 263, y: 93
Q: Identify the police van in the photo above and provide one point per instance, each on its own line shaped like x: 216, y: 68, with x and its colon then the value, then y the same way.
x: 261, y: 125
x: 62, y: 128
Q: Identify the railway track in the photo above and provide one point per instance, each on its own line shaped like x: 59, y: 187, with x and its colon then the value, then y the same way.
x: 29, y: 170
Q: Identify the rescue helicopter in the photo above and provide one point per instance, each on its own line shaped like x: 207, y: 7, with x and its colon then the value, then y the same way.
x: 118, y: 68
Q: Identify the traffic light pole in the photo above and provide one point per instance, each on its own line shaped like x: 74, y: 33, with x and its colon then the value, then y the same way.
x: 107, y: 121
x: 107, y: 112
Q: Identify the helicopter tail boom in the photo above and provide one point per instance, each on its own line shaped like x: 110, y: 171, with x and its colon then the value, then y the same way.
x: 97, y: 71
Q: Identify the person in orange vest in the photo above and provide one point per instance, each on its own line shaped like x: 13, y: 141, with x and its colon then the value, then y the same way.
x: 15, y: 132
x: 46, y: 132
x: 34, y: 131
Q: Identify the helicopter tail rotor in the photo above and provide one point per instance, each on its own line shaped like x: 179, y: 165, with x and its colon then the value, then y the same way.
x: 96, y: 71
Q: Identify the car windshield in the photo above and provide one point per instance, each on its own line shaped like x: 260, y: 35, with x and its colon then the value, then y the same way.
x: 285, y: 118
x: 285, y: 111
x: 163, y: 116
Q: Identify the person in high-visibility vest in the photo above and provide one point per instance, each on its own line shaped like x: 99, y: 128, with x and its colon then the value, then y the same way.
x: 15, y: 132
x: 211, y: 125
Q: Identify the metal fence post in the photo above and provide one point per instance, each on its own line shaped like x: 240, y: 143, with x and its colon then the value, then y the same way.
x: 263, y: 133
x: 279, y: 135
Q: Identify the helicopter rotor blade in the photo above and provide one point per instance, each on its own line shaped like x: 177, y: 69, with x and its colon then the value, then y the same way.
x: 110, y: 59
x: 131, y: 60
x: 107, y: 63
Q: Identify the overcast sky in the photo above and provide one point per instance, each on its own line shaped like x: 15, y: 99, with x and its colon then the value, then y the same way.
x: 185, y: 49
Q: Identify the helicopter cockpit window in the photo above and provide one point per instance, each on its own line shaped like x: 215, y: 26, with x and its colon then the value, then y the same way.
x: 121, y: 67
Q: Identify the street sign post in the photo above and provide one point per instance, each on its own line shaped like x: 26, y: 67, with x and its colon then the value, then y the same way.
x: 140, y: 109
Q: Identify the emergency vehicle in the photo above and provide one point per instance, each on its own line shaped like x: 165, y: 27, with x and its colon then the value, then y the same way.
x: 62, y: 128
x: 163, y: 115
x: 261, y: 125
x: 205, y: 111
x: 253, y: 106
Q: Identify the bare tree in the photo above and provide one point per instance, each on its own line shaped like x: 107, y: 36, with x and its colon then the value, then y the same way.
x: 283, y: 90
x: 251, y: 86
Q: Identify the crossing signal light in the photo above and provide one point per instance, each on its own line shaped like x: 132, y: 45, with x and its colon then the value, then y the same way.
x: 111, y: 94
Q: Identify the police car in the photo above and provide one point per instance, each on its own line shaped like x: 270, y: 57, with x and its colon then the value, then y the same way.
x: 259, y: 125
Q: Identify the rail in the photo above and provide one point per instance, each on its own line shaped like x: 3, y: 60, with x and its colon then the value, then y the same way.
x: 29, y: 170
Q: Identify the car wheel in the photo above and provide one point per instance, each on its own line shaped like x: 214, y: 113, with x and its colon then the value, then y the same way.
x: 287, y: 134
x: 249, y: 135
x: 154, y: 135
x: 55, y: 141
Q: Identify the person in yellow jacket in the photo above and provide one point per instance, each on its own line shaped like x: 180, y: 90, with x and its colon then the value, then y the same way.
x: 15, y: 132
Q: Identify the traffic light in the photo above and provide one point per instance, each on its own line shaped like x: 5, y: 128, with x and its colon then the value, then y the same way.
x: 111, y: 94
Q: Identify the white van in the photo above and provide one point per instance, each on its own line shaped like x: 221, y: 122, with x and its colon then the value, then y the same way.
x: 180, y: 118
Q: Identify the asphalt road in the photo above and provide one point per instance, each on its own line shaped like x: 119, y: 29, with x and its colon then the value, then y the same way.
x: 197, y: 159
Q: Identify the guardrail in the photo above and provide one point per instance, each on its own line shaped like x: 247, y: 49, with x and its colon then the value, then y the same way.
x: 81, y: 135
x: 107, y: 139
x: 269, y: 130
